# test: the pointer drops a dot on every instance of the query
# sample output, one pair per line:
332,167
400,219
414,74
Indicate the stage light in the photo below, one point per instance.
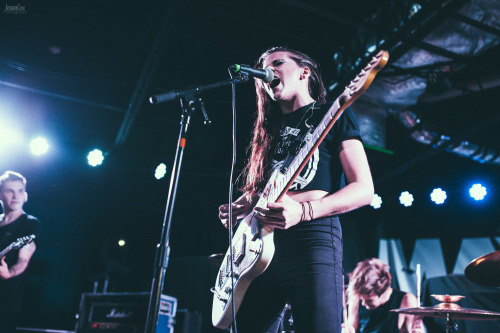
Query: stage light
478,192
438,196
376,201
160,171
121,243
371,48
10,138
95,157
414,9
39,146
406,198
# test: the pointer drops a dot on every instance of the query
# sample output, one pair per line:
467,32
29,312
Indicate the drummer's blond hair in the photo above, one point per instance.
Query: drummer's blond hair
370,276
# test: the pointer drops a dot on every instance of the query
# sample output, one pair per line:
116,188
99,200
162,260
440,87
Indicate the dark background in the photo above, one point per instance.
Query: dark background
80,73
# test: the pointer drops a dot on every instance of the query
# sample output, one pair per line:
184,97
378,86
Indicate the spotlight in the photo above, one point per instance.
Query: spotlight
95,157
438,196
9,137
121,243
39,146
415,8
160,171
371,48
376,201
477,191
406,198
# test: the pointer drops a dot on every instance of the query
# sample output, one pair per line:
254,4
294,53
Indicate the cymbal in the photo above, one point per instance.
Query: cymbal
485,270
448,298
216,259
455,311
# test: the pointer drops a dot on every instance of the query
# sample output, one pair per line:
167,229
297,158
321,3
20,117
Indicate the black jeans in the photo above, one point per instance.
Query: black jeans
306,271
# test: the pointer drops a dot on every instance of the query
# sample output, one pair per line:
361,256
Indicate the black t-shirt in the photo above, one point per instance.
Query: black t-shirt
11,289
381,319
323,170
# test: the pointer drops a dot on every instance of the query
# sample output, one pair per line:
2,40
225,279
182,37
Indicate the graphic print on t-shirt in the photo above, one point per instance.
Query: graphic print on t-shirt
291,141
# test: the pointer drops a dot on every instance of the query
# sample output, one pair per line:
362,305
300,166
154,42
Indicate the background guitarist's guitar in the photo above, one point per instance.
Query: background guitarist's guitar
253,245
16,245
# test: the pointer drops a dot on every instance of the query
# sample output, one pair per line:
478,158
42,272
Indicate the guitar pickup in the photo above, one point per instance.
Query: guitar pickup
239,250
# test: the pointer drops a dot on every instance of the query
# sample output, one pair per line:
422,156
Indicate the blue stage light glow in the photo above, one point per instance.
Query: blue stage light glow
438,196
477,191
376,201
160,171
39,146
406,199
95,157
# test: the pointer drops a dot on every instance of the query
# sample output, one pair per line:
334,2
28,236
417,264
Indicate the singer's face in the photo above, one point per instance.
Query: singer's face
286,84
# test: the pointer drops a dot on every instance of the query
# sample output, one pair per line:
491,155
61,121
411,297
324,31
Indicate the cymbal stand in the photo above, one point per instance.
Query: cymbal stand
451,326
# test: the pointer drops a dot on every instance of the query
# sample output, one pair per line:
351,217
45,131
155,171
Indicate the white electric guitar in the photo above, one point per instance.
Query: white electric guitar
253,245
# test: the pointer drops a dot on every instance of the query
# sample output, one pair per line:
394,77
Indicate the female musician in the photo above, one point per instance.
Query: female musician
306,268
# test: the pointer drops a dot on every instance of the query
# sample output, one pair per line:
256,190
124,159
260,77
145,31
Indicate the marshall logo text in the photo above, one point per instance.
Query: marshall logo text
116,314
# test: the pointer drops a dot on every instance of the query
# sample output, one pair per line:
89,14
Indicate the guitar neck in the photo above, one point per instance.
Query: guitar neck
6,250
281,180
277,187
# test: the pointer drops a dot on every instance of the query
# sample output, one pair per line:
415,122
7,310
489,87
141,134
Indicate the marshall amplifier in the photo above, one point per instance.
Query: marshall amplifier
122,313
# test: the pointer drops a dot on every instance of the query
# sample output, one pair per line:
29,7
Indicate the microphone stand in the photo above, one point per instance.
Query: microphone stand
189,104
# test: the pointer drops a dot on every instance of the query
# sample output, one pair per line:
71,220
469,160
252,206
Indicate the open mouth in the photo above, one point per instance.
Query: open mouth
274,82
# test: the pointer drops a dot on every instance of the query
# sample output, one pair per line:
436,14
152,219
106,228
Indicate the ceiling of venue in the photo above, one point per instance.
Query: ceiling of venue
81,72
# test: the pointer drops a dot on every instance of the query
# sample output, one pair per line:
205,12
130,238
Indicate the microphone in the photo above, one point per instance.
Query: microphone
265,74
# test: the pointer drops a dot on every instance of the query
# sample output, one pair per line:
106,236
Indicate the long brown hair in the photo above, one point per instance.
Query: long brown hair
268,121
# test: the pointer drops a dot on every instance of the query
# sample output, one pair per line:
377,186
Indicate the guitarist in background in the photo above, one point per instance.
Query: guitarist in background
14,224
306,268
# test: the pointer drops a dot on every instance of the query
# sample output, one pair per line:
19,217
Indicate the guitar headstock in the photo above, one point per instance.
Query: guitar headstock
363,80
20,242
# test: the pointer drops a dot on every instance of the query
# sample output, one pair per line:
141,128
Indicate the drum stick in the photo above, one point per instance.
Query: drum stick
418,285
344,302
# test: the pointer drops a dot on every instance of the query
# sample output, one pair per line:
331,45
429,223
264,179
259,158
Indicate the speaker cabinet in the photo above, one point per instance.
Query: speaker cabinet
122,313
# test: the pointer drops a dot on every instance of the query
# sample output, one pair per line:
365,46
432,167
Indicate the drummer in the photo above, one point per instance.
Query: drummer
370,299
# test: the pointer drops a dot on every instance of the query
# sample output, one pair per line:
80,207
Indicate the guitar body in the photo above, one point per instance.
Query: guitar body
253,245
253,254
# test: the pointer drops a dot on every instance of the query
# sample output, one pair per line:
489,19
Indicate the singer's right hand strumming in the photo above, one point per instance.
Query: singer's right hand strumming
241,207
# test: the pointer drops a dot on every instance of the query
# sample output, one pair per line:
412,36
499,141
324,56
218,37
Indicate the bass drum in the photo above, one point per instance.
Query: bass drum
286,325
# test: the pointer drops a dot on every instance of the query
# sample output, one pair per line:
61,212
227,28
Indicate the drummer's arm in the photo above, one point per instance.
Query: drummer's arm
352,324
412,324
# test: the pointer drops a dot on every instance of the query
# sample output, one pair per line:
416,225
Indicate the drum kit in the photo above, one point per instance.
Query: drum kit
485,271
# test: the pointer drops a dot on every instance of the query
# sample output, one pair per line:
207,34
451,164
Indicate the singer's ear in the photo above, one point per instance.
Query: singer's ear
306,72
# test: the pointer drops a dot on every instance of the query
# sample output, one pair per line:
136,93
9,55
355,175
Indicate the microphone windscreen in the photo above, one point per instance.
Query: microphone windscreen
269,75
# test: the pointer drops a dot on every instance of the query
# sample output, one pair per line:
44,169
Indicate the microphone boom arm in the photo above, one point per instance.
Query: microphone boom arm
168,96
